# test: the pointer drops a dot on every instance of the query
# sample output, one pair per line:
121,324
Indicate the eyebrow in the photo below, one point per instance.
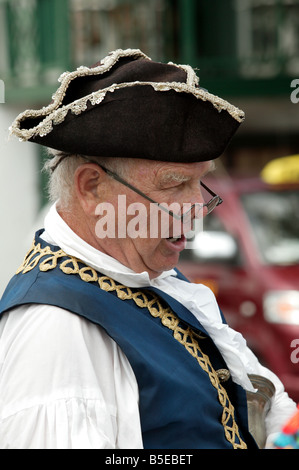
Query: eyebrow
176,177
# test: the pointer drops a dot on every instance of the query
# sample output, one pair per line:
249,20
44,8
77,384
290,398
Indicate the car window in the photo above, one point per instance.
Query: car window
212,244
274,218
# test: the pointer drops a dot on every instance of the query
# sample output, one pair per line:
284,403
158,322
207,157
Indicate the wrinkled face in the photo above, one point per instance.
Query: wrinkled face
141,235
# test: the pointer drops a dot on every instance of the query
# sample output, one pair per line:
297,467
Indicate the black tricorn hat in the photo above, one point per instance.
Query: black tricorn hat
130,106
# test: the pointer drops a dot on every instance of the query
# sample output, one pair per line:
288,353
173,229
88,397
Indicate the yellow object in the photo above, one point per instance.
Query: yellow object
282,170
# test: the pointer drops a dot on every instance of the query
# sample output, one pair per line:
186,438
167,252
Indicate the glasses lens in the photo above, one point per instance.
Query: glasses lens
212,204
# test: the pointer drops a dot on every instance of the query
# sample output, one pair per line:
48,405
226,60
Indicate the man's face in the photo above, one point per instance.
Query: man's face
144,237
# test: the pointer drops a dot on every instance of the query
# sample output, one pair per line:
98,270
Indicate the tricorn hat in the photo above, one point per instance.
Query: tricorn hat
130,106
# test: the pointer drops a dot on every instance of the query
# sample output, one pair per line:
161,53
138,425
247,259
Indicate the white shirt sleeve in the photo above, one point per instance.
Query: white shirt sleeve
282,406
64,384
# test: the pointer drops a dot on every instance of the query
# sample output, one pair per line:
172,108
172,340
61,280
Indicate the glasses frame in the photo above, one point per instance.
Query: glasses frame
210,205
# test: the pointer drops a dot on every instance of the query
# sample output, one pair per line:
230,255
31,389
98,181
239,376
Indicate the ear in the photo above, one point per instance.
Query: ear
88,179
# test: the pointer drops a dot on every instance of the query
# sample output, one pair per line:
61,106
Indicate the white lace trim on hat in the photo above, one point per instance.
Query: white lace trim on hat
55,113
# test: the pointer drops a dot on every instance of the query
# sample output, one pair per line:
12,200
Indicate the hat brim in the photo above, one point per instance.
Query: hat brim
138,122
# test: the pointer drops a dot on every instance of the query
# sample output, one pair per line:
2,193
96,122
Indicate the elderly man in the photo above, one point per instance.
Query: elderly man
103,343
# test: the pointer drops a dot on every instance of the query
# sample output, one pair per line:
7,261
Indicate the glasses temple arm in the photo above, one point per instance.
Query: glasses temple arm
136,190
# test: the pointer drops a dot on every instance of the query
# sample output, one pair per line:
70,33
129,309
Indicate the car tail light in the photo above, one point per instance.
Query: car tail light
282,307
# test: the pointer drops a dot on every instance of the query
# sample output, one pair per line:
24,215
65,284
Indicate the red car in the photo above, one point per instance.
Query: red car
248,253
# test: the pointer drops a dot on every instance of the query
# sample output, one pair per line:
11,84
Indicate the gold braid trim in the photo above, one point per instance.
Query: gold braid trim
182,333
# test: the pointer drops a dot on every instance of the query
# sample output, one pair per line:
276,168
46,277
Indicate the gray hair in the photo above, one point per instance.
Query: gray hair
61,167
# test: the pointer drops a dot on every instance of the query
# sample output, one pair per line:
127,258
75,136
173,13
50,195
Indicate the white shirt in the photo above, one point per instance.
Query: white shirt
64,383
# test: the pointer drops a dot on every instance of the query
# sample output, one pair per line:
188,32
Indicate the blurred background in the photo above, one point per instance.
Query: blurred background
245,51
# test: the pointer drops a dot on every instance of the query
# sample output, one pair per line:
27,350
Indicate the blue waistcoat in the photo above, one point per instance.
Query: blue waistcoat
180,408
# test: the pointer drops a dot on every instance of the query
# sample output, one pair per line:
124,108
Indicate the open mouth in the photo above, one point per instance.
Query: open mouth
173,239
177,243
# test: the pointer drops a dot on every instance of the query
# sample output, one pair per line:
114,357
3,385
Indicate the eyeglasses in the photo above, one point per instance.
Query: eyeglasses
195,211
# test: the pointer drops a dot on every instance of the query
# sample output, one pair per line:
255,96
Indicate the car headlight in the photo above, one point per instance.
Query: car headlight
282,307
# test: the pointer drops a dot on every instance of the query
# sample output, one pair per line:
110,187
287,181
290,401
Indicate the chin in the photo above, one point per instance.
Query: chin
167,266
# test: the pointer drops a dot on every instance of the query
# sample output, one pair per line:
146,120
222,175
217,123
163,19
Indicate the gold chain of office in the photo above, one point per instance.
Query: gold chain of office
46,260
